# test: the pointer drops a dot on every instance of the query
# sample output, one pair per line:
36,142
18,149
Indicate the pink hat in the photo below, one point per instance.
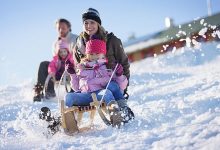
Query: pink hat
61,44
95,46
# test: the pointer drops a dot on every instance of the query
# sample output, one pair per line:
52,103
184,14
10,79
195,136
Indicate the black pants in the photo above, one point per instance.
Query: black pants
42,75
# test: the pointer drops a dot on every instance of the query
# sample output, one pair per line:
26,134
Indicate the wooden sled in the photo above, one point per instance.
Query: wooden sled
71,117
65,80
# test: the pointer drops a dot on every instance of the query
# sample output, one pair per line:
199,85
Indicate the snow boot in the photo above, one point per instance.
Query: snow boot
127,113
38,93
115,114
53,123
45,114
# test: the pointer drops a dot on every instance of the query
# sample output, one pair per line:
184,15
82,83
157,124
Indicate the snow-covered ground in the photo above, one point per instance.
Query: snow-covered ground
175,97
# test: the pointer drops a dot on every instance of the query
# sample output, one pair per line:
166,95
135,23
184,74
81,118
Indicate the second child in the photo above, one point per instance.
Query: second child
57,65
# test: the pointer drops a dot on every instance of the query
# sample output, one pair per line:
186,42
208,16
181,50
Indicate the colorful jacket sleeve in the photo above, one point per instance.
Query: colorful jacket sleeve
116,54
122,81
52,68
74,82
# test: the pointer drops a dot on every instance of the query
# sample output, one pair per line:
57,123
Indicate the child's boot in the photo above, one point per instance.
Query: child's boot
38,93
127,113
115,114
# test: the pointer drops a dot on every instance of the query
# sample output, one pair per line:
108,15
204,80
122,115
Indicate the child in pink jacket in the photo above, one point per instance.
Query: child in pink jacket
57,65
92,76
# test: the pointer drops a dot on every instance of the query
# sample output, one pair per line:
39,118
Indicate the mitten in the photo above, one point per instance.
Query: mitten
96,66
70,67
119,70
62,67
58,75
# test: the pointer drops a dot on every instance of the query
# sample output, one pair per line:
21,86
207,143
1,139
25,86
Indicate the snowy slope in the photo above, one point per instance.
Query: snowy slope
175,97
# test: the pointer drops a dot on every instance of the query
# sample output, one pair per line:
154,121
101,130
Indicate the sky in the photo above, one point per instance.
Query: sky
28,31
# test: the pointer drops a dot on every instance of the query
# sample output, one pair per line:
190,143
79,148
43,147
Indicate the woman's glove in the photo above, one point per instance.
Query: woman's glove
119,70
95,66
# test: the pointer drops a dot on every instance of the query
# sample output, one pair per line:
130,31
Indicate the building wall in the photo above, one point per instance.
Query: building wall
165,47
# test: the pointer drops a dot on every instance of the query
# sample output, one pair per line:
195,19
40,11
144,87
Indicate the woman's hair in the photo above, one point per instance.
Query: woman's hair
83,59
101,34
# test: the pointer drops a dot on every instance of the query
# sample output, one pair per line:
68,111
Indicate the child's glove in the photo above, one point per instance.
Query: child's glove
96,66
70,67
119,70
58,75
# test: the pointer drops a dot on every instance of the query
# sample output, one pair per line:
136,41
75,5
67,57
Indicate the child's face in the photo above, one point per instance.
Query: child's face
94,56
63,53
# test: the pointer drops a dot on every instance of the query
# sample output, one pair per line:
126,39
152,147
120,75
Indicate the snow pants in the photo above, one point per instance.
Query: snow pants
84,99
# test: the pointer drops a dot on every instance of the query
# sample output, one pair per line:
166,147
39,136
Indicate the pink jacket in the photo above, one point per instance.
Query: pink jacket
55,64
92,76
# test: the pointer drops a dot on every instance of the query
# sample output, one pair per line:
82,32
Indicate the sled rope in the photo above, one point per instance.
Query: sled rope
63,78
101,114
46,83
108,85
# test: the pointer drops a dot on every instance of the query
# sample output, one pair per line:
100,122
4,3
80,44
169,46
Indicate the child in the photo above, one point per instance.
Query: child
57,65
92,76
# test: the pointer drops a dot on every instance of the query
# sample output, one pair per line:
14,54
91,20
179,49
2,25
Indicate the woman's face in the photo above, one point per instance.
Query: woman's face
90,26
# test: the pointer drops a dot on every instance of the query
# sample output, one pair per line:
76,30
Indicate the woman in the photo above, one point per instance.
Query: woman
115,52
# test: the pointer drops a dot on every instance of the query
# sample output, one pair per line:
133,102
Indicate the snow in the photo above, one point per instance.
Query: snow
175,98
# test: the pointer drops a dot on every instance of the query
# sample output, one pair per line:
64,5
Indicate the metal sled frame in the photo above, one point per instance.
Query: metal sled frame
63,81
71,117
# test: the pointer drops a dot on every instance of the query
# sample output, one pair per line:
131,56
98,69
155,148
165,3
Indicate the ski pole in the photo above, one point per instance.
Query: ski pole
108,85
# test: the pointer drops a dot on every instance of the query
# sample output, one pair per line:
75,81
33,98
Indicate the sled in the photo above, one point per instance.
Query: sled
71,117
65,80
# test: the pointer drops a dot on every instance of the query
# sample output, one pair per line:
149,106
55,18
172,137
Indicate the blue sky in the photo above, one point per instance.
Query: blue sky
28,31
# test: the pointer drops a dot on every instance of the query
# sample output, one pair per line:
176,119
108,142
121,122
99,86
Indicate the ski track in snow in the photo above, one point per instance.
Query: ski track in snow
175,98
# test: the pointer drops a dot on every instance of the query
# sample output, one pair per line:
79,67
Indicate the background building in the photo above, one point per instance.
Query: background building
173,37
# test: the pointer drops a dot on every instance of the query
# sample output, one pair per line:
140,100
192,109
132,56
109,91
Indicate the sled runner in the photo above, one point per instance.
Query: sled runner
41,91
72,117
65,80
